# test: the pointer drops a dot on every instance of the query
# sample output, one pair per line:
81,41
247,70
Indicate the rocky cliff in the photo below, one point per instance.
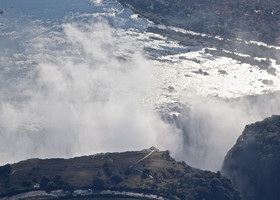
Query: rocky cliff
253,163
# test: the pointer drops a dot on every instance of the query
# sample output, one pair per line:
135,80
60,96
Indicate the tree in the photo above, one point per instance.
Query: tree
145,173
44,182
5,170
98,184
108,172
58,181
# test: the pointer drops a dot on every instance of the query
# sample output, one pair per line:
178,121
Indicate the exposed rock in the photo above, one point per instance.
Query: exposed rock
253,164
267,82
271,70
200,71
223,72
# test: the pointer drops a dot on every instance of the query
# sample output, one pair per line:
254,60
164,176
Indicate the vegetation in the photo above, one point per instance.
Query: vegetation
250,19
253,163
231,20
5,170
159,174
98,184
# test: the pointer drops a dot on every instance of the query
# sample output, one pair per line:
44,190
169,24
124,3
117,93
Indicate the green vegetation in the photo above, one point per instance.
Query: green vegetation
253,163
159,174
250,19
229,19
98,184
5,170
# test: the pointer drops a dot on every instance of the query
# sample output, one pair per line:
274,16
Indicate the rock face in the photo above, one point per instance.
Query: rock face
253,164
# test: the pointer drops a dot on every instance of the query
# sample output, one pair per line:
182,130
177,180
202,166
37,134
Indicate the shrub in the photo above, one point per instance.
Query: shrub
116,179
98,184
26,184
145,173
58,181
44,182
128,171
108,172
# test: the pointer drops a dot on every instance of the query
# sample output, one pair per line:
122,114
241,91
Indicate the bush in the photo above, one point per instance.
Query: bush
171,171
128,171
69,187
44,182
108,172
26,184
58,181
98,174
98,184
145,173
116,179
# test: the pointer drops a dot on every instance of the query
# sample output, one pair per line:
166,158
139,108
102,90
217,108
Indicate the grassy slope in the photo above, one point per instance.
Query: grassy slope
169,178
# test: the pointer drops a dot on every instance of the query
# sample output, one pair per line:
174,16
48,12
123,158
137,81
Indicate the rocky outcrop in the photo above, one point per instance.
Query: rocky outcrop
253,164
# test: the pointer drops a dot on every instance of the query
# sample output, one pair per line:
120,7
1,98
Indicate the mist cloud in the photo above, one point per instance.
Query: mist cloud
86,102
212,125
96,1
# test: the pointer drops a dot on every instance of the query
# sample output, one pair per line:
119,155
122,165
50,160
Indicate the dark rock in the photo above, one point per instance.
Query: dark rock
200,71
267,82
253,163
224,72
271,71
